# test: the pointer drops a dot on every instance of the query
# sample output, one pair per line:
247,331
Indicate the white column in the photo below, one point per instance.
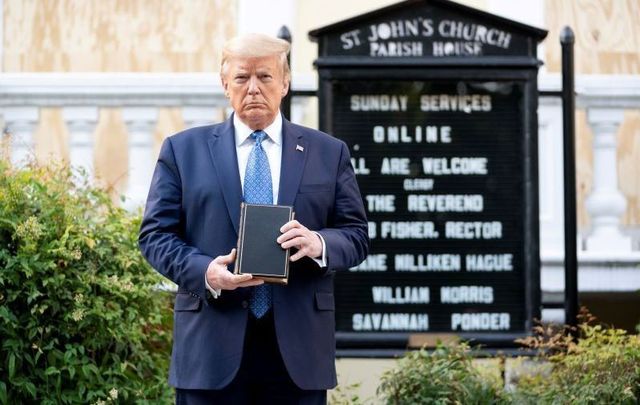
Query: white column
21,122
81,122
606,204
298,108
195,116
551,181
140,123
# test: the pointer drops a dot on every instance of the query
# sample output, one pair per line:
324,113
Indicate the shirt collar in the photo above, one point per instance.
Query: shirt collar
243,132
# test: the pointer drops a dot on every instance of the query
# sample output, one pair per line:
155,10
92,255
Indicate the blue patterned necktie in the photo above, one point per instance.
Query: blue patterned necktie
258,190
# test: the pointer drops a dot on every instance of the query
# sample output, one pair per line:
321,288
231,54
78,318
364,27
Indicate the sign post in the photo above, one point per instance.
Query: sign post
437,103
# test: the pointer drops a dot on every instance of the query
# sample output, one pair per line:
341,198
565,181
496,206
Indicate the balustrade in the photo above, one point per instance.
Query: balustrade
202,101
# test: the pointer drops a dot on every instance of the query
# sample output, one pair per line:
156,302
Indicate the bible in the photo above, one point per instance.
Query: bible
258,253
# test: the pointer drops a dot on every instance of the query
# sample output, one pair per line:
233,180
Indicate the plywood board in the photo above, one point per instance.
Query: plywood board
116,35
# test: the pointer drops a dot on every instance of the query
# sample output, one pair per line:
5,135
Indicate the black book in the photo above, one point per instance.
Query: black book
258,253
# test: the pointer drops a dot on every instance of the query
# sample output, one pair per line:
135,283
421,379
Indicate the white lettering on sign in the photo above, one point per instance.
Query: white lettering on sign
389,322
456,48
380,34
381,202
489,262
395,166
480,321
408,230
378,102
433,134
400,134
429,262
474,32
417,184
466,103
396,48
350,39
445,203
415,27
377,262
471,294
403,37
372,229
473,230
400,295
455,166
360,166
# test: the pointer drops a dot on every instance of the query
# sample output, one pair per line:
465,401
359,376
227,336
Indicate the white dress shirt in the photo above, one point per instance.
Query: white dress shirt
272,145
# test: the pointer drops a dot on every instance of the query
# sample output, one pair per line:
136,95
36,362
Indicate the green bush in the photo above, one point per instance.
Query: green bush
444,376
601,367
81,320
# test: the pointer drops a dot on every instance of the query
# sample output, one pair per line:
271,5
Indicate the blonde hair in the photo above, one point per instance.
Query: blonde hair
256,46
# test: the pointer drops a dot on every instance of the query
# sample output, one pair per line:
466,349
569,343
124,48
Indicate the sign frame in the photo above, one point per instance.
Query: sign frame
517,68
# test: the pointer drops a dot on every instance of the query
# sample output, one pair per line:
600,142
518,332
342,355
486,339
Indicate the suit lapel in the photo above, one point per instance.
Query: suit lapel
223,153
294,155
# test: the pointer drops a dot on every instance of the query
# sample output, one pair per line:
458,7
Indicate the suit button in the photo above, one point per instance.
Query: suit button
245,304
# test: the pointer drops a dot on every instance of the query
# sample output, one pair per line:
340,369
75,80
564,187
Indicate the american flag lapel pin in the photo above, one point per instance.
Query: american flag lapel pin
299,148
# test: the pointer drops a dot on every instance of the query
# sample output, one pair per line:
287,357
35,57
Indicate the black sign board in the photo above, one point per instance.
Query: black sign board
437,103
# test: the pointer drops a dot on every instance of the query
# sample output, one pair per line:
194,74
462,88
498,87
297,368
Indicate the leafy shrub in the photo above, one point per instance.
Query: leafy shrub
345,395
81,320
444,376
601,367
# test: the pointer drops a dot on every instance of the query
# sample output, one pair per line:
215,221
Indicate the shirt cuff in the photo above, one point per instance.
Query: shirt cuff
322,260
215,293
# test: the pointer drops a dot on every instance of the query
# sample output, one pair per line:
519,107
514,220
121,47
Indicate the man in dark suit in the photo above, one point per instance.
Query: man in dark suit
235,338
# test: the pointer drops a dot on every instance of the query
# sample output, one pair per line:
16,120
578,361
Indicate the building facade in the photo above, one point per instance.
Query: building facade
100,84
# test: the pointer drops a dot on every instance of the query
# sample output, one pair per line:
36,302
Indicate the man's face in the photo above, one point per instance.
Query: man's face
255,87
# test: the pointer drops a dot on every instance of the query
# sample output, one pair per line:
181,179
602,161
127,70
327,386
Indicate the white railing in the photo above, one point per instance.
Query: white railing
140,96
201,99
608,257
604,98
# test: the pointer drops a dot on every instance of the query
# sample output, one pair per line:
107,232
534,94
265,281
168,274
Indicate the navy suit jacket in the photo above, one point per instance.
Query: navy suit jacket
192,215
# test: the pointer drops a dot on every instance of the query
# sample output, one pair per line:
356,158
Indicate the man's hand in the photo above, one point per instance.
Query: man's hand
220,278
296,235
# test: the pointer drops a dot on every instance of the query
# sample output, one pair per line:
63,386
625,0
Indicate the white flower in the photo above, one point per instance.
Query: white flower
30,229
77,314
127,286
76,254
113,393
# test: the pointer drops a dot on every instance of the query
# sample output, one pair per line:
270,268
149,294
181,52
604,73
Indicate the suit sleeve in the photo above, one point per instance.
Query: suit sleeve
346,239
161,230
